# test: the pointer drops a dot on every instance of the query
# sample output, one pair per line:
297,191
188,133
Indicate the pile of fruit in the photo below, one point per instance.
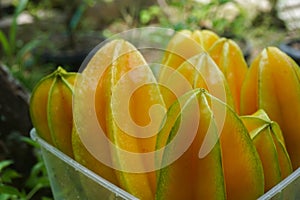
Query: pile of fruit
208,126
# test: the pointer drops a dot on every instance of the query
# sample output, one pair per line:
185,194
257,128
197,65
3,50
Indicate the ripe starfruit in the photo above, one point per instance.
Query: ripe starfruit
272,83
269,142
120,88
51,109
214,147
230,59
184,45
199,71
84,157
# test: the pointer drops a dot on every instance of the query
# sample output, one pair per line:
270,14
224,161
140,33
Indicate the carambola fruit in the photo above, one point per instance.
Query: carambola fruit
84,157
269,142
230,59
184,45
273,84
199,71
51,109
211,168
129,109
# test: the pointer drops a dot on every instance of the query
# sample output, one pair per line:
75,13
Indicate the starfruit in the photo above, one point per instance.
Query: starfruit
272,83
184,45
200,71
84,157
220,148
229,58
269,142
51,109
119,86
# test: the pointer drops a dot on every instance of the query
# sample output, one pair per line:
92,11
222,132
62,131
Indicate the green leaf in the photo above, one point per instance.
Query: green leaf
30,141
6,189
21,6
76,17
42,182
27,48
4,164
145,16
38,175
5,44
33,191
4,197
13,28
9,175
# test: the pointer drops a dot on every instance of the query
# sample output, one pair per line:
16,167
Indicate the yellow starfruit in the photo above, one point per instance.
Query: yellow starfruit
184,45
121,89
230,59
269,142
272,83
221,148
51,109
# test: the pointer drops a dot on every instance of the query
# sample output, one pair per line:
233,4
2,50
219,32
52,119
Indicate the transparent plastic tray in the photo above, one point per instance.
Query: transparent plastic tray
70,180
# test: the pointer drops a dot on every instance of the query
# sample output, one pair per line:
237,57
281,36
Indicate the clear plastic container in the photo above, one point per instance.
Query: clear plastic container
70,180
287,189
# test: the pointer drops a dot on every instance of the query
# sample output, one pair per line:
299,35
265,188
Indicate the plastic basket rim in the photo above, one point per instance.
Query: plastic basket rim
82,169
281,185
120,192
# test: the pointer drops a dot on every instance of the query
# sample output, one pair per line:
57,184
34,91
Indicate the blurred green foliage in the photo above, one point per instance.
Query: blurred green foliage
15,52
37,180
188,14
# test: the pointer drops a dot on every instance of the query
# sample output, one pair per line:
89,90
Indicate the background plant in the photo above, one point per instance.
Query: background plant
37,180
221,16
16,53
